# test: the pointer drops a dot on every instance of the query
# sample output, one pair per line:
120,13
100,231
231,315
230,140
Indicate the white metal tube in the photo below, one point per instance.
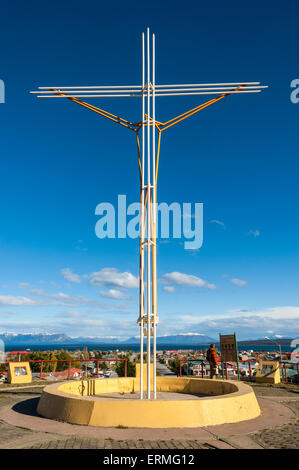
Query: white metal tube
150,94
78,90
224,92
154,223
135,90
240,87
208,84
148,279
138,86
142,232
90,96
87,87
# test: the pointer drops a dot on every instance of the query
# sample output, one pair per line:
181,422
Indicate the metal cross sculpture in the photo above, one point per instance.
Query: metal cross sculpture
148,160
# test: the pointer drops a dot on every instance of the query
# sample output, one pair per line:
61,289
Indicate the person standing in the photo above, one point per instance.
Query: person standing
212,358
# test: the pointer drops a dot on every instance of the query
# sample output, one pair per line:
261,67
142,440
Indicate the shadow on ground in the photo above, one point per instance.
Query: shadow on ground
27,407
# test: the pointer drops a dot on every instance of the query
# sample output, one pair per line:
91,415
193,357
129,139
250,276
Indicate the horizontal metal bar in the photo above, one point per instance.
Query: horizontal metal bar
139,86
209,93
245,87
88,96
229,92
157,91
87,87
208,84
83,91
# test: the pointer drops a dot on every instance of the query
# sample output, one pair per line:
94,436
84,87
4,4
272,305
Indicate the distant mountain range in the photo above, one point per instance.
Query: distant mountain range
29,339
180,339
183,339
11,339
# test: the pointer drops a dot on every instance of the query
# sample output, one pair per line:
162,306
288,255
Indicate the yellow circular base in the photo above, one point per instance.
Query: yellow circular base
77,403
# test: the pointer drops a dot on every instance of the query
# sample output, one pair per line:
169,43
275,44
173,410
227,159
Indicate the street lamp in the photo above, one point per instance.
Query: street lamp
267,337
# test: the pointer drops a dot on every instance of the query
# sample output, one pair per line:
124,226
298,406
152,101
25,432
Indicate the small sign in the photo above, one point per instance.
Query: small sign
19,372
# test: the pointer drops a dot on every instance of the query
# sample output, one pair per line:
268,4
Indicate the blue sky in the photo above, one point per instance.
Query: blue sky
238,157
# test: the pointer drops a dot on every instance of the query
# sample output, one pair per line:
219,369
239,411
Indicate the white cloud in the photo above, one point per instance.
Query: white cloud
250,325
23,285
277,313
238,282
112,277
182,279
254,233
70,276
70,314
58,296
169,288
114,294
16,300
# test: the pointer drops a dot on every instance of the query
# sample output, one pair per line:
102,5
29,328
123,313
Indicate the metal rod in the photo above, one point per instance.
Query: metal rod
240,87
138,86
134,90
148,227
154,270
142,233
208,84
209,92
78,90
87,87
150,94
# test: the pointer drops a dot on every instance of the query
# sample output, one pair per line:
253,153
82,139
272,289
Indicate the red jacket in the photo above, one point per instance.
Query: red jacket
212,356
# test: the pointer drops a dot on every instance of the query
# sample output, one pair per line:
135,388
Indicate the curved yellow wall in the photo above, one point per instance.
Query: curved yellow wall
228,402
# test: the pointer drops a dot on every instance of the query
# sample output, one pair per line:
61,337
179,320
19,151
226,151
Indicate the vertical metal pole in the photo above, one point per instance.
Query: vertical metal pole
148,278
69,373
141,313
98,368
237,354
41,370
154,235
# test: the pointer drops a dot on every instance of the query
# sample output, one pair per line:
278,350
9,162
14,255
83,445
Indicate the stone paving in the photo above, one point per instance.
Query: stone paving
279,437
76,443
282,437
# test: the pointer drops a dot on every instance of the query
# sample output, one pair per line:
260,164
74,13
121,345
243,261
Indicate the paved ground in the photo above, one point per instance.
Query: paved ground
20,427
163,369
